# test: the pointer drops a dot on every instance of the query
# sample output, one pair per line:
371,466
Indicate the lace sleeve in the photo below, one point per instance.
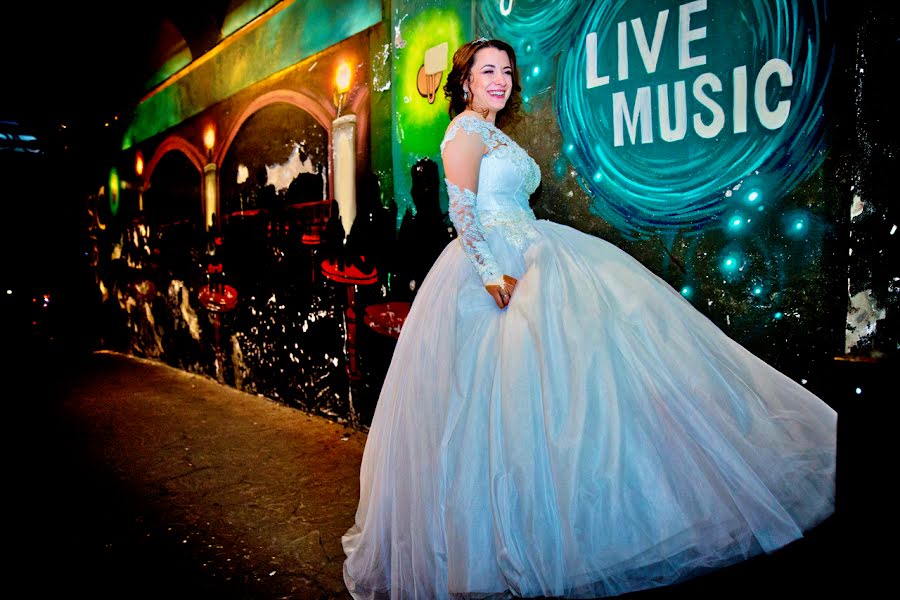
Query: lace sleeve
471,235
463,148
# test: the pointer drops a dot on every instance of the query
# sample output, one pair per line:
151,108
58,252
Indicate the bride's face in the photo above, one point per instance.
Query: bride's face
490,80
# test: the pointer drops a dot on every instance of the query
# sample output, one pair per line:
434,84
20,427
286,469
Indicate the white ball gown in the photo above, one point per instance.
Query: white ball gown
598,436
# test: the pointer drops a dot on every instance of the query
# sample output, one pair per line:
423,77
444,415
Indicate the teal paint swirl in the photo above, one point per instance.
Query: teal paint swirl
686,184
533,26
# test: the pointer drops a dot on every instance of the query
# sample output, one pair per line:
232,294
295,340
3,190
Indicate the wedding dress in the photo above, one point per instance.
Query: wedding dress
598,436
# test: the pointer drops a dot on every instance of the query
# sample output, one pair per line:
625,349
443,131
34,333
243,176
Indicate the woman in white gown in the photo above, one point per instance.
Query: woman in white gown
556,419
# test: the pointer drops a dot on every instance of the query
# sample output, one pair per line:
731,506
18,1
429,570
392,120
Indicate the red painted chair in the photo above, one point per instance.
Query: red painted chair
311,217
351,276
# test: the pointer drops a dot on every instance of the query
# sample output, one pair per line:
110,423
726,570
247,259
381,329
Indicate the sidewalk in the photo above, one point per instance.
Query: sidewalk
131,479
153,482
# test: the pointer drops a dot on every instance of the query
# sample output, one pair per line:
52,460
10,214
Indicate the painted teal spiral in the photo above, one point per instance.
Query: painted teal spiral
547,26
685,185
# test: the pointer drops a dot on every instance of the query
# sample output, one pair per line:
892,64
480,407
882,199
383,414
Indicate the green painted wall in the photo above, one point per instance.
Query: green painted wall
298,31
381,107
418,126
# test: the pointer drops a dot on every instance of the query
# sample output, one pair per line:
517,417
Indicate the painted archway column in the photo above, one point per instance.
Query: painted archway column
177,143
211,207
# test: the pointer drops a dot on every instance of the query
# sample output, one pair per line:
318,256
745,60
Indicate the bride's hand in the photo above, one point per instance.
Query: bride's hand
502,293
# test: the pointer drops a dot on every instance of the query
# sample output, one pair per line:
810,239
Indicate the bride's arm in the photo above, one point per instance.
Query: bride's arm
462,160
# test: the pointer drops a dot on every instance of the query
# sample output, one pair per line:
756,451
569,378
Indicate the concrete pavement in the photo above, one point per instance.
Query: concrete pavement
153,482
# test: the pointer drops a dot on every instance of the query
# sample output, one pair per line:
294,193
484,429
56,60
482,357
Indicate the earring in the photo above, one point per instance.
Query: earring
465,95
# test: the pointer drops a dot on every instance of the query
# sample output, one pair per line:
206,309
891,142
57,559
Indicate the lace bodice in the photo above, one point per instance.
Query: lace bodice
507,177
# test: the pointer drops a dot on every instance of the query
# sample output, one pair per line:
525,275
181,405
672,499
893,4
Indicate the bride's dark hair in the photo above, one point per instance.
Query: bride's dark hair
463,61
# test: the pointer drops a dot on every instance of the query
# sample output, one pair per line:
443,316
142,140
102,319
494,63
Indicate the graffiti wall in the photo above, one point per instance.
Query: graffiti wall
241,243
273,233
709,139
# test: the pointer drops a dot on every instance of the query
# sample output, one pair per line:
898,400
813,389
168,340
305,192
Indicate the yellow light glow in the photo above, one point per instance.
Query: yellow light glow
114,188
209,137
139,164
342,79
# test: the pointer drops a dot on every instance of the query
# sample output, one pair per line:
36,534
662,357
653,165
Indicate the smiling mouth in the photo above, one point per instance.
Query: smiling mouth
497,94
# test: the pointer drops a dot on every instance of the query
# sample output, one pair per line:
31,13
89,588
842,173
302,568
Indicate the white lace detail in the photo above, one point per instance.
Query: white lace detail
506,179
471,125
471,235
501,146
519,224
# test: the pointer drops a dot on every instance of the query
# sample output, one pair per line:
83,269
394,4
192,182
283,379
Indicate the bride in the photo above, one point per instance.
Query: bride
557,420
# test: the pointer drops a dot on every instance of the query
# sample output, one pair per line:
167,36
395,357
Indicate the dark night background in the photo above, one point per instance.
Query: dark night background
71,74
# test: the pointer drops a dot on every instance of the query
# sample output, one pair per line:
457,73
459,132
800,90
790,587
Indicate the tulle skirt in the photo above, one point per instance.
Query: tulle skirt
598,436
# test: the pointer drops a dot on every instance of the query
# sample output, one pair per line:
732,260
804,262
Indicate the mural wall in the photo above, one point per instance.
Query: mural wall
696,136
735,148
221,241
710,140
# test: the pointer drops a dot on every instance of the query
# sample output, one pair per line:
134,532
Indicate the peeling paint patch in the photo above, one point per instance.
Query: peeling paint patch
180,297
399,42
156,338
862,318
243,173
857,207
381,69
282,175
